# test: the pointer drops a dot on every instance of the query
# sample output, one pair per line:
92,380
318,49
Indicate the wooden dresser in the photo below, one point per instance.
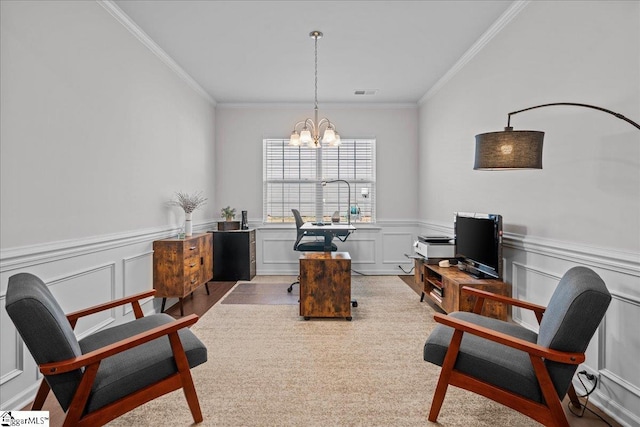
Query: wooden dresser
180,266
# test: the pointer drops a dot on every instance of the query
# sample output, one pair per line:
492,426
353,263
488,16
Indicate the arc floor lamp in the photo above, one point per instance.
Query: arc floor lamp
520,149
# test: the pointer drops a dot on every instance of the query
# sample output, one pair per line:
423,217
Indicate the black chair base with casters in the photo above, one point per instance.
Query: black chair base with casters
310,247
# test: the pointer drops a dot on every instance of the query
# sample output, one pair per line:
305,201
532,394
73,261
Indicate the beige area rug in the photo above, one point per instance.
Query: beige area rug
269,367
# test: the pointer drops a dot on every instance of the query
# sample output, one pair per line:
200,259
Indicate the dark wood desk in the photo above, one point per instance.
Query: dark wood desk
328,231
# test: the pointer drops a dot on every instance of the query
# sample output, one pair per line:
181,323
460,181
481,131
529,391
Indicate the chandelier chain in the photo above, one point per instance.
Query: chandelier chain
316,76
310,128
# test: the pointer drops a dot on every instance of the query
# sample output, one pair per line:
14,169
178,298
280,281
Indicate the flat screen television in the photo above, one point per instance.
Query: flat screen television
478,243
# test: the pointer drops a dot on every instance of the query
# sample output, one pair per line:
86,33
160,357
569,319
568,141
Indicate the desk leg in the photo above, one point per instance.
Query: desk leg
328,237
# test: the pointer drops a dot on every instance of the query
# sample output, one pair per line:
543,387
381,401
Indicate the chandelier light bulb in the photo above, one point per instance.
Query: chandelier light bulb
329,136
305,136
336,140
295,139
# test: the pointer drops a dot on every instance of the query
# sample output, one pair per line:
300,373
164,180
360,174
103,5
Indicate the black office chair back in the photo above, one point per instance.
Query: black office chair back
298,217
299,223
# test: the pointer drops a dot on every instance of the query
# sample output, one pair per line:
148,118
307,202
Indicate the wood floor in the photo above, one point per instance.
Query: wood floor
200,302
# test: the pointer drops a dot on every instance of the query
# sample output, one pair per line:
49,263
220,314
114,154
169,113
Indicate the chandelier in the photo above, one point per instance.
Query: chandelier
310,128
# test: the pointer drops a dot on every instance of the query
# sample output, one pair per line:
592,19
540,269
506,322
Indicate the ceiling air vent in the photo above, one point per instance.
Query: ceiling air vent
365,91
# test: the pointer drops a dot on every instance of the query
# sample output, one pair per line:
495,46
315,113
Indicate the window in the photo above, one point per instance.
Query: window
293,176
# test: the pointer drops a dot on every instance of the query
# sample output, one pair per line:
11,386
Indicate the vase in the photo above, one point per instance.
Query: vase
188,225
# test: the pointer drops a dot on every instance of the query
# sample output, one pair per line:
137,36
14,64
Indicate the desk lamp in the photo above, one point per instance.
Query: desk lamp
520,149
324,183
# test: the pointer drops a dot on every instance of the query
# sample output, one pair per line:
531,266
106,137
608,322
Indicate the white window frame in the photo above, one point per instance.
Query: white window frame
293,176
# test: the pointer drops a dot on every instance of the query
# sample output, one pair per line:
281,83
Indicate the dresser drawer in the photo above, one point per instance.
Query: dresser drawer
193,263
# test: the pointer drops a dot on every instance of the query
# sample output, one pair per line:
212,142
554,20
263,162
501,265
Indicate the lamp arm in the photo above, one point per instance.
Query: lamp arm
348,194
323,121
618,115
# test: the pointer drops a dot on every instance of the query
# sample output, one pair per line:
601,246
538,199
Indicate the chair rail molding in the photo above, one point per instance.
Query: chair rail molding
20,257
625,262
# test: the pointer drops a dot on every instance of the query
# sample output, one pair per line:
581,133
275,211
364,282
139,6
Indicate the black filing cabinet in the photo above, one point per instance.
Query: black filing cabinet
234,255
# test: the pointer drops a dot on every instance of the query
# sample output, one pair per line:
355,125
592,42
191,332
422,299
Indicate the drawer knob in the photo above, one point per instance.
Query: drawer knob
192,265
192,248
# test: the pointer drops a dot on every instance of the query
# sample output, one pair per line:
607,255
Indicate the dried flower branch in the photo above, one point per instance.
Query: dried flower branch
189,202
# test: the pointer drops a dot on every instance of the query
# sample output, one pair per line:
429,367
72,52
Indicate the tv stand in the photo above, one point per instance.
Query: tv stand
443,287
476,274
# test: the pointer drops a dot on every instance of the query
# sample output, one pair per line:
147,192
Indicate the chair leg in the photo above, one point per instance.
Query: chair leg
549,392
41,396
573,396
185,374
445,374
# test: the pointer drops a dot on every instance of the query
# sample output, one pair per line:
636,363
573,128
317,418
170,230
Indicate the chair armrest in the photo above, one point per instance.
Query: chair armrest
537,309
95,356
74,316
510,341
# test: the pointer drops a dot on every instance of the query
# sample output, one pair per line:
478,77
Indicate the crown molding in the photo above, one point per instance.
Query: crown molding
307,105
144,38
488,35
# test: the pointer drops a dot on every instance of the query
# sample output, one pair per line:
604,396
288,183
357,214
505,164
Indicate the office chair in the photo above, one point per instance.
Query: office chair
512,365
309,246
111,371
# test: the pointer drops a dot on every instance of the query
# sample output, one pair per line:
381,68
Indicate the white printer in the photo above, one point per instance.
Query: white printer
435,247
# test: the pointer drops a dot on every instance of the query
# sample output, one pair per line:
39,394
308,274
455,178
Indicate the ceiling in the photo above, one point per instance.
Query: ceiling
261,52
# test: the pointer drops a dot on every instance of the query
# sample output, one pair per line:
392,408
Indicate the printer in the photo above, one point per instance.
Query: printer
434,247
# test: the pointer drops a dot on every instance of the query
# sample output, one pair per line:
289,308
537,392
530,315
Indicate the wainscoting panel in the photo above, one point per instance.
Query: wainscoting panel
532,285
395,245
12,362
277,250
362,251
136,271
619,352
374,249
84,289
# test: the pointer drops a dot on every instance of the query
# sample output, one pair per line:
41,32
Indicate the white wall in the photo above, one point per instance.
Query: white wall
584,206
240,130
96,134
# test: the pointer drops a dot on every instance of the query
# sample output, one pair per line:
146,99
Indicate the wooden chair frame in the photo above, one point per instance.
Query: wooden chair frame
550,414
91,361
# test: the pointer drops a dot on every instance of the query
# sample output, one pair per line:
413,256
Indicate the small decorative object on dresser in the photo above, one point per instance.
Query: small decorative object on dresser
189,203
228,214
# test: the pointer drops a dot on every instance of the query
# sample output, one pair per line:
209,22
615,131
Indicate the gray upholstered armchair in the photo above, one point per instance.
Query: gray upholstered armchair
512,365
112,371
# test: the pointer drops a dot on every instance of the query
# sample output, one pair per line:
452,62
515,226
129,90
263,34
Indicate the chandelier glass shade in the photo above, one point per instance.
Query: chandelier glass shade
310,129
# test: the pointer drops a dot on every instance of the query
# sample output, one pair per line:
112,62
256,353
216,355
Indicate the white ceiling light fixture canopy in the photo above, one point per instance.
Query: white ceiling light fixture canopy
310,129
